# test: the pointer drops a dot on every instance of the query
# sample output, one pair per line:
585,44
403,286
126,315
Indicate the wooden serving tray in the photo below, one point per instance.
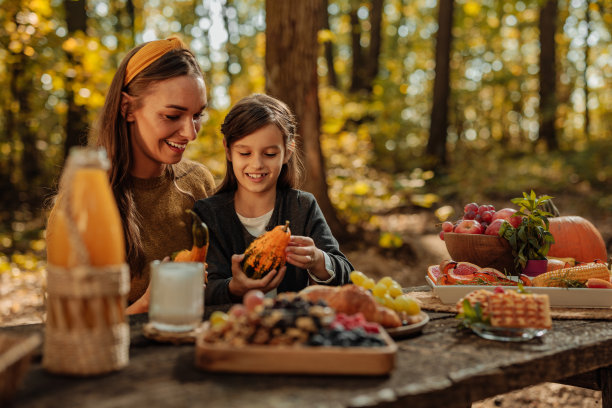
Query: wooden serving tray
297,359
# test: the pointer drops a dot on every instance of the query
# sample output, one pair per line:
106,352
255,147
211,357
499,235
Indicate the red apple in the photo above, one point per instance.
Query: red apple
447,226
493,228
469,227
504,214
515,221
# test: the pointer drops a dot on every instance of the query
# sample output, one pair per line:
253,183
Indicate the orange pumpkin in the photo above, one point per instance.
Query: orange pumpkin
575,237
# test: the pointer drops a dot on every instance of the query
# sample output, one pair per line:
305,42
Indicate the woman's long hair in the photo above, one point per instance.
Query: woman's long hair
251,114
111,131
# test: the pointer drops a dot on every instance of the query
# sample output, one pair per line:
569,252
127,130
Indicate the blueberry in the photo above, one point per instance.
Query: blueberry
316,340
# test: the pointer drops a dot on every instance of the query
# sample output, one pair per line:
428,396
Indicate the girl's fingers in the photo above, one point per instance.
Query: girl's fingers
237,258
263,282
280,274
299,261
297,240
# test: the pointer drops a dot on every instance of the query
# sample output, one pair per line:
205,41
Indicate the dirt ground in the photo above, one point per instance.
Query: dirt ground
21,296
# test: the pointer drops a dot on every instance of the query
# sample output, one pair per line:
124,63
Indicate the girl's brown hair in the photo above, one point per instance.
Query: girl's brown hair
111,131
251,114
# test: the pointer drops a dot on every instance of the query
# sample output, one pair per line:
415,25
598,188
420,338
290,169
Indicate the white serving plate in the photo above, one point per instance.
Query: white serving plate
559,297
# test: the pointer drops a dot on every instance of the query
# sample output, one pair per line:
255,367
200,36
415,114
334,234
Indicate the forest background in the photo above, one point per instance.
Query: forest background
419,106
408,109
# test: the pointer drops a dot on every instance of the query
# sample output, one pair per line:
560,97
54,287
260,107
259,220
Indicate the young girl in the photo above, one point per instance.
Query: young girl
257,194
153,109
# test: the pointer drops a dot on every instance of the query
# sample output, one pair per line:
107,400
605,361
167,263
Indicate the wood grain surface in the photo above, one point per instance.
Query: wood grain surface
442,367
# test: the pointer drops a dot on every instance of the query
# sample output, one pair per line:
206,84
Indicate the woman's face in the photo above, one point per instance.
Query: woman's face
257,159
163,121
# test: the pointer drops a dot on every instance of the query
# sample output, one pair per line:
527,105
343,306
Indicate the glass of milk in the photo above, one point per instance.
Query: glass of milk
177,295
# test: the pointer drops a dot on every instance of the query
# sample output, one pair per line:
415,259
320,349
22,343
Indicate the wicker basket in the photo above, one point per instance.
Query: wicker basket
86,331
15,354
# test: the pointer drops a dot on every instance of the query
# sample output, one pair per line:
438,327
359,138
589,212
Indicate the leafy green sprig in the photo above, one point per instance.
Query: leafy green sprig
471,314
532,238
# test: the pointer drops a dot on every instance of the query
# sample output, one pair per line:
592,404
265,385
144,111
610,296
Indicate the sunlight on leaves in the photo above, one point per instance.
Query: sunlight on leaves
444,213
390,240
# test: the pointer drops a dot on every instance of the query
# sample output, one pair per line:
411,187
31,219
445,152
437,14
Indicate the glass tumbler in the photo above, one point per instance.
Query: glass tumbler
177,295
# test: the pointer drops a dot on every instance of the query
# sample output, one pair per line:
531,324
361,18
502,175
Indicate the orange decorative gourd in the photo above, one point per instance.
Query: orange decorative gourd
198,251
267,252
576,237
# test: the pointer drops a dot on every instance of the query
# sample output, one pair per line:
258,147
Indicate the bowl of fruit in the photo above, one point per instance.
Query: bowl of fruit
475,237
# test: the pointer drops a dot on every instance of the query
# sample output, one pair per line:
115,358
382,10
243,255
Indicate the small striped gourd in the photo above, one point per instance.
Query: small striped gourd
199,249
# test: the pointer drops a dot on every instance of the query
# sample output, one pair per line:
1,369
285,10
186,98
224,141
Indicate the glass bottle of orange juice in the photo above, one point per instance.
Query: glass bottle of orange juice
87,276
84,226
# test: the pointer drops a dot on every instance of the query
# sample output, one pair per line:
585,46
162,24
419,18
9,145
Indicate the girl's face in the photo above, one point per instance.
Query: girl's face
162,122
257,159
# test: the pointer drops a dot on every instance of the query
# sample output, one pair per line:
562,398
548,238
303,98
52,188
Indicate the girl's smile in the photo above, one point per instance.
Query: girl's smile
257,177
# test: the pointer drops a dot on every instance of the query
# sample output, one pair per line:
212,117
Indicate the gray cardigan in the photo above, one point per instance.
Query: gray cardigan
228,237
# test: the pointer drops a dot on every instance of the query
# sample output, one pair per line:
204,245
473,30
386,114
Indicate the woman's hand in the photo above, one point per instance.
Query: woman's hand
303,253
241,284
142,304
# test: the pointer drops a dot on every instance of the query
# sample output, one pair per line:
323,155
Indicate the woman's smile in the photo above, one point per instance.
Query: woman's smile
178,147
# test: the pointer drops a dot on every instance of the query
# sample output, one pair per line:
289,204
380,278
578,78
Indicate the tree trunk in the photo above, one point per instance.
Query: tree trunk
291,75
30,160
587,48
436,145
375,42
23,168
357,68
7,185
76,122
548,74
332,79
131,13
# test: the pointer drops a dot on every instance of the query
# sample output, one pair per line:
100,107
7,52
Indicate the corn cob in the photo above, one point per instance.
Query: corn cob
571,277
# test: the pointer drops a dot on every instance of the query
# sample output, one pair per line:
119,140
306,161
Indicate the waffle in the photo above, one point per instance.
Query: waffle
511,309
478,296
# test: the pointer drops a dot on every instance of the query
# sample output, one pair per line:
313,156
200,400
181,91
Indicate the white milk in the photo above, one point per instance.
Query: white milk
177,295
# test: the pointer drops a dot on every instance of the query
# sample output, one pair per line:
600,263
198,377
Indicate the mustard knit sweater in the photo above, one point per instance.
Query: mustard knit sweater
165,226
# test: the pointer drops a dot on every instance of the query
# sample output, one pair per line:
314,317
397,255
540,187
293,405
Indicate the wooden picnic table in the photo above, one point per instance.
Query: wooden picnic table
442,367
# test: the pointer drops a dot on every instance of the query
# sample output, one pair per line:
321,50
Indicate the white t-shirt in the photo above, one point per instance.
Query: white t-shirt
256,226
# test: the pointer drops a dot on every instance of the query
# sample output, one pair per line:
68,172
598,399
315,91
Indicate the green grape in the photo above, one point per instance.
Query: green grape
379,290
218,318
395,290
387,281
406,303
358,278
368,283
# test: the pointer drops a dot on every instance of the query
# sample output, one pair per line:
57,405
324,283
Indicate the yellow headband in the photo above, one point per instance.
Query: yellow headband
149,54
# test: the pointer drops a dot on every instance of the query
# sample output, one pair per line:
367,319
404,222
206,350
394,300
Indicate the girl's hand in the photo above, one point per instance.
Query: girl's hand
241,284
303,253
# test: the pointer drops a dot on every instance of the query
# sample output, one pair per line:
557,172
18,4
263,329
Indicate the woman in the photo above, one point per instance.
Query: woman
153,109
